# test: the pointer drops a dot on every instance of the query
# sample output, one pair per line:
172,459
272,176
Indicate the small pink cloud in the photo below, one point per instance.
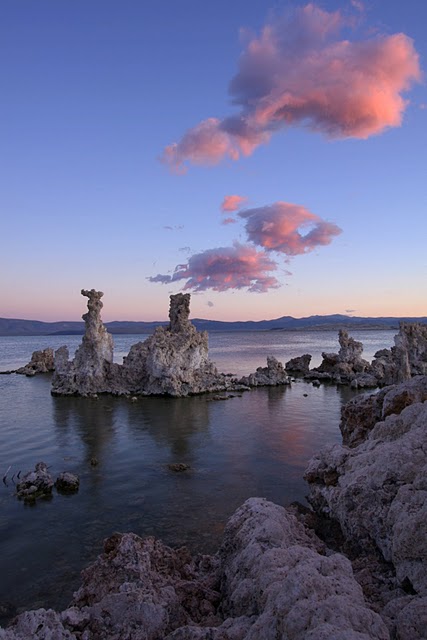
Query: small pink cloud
224,268
228,221
299,72
232,203
279,227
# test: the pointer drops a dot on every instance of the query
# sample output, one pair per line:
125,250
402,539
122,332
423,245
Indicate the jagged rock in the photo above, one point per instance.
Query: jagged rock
35,484
272,375
270,579
299,365
41,362
407,358
67,482
90,371
347,365
359,415
377,490
173,361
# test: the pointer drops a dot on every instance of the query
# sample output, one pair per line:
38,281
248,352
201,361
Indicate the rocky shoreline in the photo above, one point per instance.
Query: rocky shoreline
351,568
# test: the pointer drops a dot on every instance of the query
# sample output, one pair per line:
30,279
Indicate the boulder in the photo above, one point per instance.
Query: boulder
67,482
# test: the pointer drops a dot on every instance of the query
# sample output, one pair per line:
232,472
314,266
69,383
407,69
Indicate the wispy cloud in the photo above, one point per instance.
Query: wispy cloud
299,71
232,203
224,268
280,227
228,221
175,227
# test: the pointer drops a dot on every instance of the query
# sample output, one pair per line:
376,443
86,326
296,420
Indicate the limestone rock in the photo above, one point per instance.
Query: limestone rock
272,375
407,358
35,484
378,492
299,365
41,362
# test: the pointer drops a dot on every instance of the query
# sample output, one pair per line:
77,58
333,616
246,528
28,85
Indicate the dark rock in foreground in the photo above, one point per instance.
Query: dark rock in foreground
270,579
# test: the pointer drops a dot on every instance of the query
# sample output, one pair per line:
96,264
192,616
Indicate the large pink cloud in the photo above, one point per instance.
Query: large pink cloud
300,71
232,203
280,227
236,267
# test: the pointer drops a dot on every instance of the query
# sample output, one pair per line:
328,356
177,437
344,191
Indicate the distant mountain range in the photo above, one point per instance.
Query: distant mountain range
12,327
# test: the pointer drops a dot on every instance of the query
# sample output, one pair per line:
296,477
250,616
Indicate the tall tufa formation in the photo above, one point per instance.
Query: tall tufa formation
90,371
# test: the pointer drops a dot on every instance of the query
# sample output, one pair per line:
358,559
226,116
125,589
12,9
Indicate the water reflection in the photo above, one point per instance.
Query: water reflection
171,422
92,420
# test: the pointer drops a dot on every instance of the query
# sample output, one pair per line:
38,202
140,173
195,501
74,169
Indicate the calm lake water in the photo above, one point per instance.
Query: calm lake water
257,444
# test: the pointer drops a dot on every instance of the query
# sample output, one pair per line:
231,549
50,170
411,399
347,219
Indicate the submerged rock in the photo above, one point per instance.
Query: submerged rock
67,482
35,484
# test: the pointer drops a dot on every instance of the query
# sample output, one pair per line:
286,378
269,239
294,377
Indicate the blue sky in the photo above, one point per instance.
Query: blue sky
93,92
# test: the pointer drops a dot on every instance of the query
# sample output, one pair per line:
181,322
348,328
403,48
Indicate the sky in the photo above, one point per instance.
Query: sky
267,157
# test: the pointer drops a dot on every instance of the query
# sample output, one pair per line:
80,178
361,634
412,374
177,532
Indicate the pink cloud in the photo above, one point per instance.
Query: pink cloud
236,267
299,72
279,227
232,203
229,221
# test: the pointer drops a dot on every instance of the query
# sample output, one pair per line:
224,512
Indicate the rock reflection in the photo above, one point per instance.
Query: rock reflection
92,420
171,422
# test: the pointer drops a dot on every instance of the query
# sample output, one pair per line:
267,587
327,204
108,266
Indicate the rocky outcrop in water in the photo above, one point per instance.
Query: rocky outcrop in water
345,367
41,362
173,361
270,376
271,578
35,484
90,371
299,365
377,491
406,359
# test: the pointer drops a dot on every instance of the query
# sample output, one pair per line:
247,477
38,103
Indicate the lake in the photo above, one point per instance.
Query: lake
255,444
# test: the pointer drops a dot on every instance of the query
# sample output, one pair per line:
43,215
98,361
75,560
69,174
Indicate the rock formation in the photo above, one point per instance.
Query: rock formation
347,366
272,375
390,366
41,362
377,491
407,358
271,578
299,365
35,484
90,371
173,361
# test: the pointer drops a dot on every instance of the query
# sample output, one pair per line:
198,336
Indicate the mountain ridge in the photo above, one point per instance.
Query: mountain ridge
22,327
